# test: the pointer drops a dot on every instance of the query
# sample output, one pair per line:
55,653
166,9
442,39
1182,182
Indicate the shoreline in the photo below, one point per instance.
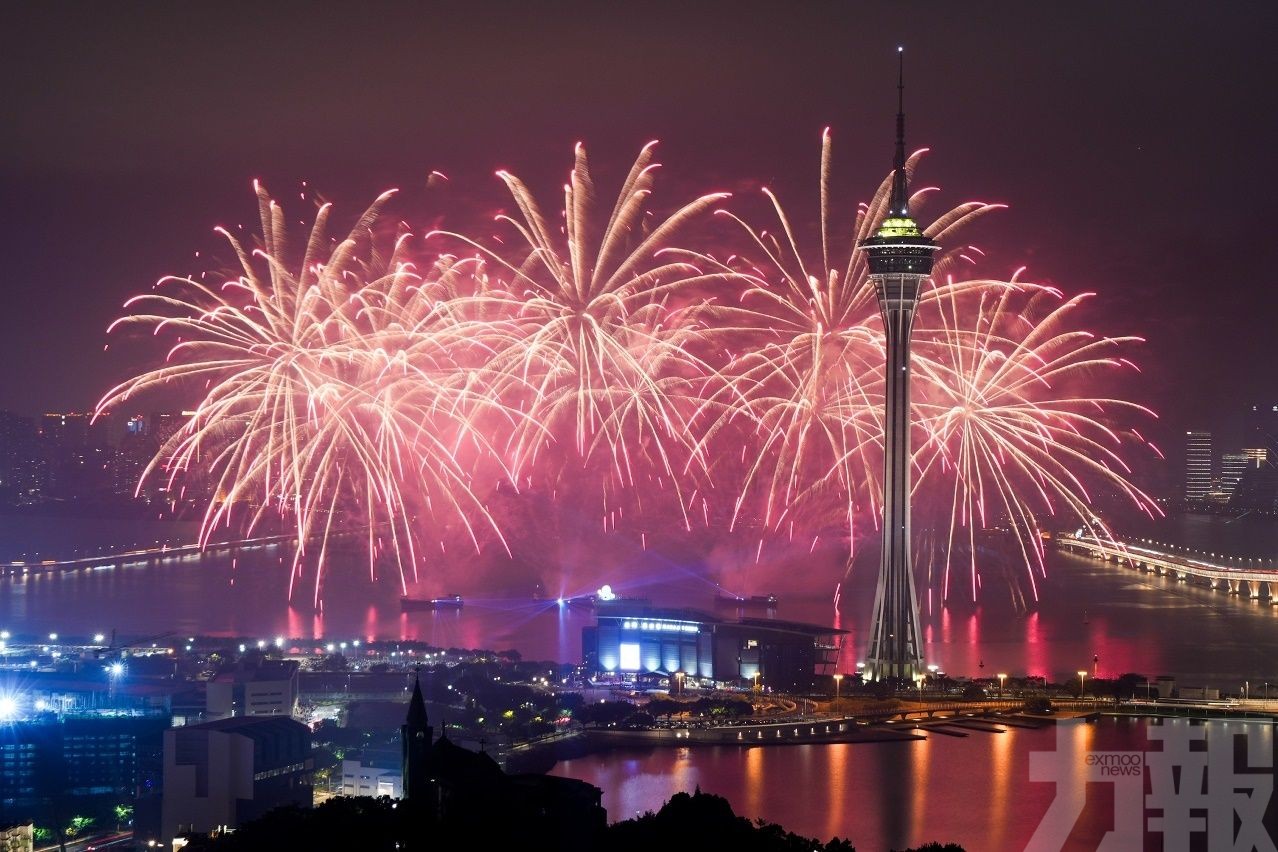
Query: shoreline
849,730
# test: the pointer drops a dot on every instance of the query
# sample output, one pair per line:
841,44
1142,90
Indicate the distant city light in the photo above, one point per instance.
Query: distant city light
606,593
261,643
279,641
98,637
117,669
8,707
53,637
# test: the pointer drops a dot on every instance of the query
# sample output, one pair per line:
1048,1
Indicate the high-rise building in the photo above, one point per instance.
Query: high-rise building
162,425
90,758
1233,466
1261,427
20,466
66,429
1257,488
262,688
227,772
1198,458
900,260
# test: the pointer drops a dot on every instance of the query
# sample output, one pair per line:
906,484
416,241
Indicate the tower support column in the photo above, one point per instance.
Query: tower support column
896,648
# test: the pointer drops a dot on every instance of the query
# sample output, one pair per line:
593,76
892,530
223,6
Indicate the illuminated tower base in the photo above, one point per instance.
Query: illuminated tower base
896,647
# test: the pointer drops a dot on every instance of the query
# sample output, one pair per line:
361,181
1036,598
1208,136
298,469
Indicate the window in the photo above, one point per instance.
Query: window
629,657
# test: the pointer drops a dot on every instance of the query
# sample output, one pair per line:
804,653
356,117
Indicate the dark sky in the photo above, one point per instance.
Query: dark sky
1133,141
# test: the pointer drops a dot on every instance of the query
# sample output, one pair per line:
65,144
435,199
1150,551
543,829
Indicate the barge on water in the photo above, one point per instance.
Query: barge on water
445,602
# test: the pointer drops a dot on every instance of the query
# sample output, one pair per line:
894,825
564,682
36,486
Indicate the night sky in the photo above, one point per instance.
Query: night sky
1134,145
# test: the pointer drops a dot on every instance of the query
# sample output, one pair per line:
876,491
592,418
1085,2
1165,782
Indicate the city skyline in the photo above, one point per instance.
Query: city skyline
565,427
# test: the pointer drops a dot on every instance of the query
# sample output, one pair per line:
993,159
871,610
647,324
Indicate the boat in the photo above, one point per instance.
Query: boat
446,602
740,602
604,598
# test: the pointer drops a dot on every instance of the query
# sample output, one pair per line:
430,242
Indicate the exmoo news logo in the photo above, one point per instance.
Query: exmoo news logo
1207,784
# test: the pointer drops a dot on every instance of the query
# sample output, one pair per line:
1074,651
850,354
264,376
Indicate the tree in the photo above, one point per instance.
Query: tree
665,707
79,825
1038,704
606,712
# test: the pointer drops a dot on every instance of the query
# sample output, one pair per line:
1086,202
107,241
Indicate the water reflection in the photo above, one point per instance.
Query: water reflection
975,791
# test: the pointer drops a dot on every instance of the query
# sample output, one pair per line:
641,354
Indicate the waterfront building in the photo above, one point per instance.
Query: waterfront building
634,643
229,771
1198,466
253,688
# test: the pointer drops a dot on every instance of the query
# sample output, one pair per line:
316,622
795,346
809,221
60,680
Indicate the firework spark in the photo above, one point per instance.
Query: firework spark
1012,428
359,391
810,374
596,345
328,391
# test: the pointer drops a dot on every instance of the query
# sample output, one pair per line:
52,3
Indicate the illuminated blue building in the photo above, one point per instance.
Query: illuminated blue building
637,643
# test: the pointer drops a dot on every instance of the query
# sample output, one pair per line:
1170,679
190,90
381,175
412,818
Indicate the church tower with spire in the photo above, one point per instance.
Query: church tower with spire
899,256
415,740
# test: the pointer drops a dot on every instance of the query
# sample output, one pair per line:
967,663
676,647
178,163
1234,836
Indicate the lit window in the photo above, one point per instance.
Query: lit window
629,657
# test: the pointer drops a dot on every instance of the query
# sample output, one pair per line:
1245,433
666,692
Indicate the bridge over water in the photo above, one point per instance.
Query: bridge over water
1253,578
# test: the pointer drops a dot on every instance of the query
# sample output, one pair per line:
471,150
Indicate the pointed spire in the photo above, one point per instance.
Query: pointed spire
900,201
416,706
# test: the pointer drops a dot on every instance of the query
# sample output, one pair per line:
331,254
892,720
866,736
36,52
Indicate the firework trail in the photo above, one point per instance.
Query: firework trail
600,323
358,390
809,376
1011,427
330,391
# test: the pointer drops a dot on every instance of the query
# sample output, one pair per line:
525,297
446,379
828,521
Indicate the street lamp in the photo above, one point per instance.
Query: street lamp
1082,678
838,679
1002,679
679,683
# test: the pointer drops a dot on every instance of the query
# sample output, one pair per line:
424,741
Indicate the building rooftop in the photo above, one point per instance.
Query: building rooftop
700,617
265,670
